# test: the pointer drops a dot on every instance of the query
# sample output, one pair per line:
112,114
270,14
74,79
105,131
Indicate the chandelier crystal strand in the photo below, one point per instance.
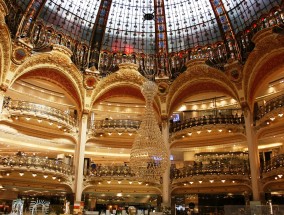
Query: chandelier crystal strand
149,156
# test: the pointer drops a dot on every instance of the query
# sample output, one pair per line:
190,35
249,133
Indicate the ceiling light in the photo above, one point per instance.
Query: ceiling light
45,176
139,182
59,126
200,182
184,184
119,182
272,118
21,173
130,134
280,175
209,130
7,173
229,130
211,181
189,133
267,122
28,118
109,133
220,130
233,182
119,194
198,132
130,182
34,174
16,118
108,182
191,182
53,177
119,133
50,123
280,114
39,120
223,181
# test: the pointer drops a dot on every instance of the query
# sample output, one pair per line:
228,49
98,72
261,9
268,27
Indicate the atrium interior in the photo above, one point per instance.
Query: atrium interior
171,106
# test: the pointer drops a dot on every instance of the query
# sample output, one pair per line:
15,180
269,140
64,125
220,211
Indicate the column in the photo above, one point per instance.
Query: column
2,96
166,176
253,155
79,157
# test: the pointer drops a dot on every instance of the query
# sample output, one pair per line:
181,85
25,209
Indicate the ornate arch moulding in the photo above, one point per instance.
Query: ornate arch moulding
128,73
53,61
3,11
198,72
265,42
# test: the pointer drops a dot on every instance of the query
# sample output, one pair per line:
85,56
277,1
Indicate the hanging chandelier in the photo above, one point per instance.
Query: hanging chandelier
149,156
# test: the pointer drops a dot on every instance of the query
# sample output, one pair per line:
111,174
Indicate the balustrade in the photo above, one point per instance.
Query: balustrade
38,110
119,125
34,162
111,171
206,120
270,106
276,163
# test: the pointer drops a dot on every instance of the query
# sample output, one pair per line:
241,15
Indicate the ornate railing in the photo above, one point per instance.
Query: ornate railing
19,108
34,163
211,169
270,106
207,120
114,125
274,166
42,37
118,171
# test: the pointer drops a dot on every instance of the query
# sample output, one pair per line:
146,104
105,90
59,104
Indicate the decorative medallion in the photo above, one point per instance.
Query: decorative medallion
89,82
163,88
19,55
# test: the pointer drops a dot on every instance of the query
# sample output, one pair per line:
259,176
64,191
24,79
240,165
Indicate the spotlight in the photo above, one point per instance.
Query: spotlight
34,174
21,173
45,176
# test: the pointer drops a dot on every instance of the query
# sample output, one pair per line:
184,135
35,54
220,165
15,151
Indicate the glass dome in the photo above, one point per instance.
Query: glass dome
187,23
158,34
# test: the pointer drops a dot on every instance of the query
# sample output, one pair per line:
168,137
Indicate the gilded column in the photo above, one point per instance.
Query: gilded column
79,157
166,175
253,155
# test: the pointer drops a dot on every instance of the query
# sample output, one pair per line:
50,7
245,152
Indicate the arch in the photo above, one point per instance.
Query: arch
5,44
201,78
265,61
126,81
57,68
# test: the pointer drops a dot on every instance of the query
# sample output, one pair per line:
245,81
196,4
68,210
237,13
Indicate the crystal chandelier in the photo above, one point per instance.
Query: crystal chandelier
149,156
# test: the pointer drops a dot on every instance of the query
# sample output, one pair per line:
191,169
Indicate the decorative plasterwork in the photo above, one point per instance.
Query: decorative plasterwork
127,75
5,49
3,11
199,78
62,69
264,61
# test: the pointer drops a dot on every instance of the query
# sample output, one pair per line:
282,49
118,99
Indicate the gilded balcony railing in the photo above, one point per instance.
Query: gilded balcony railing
34,164
19,108
113,171
273,108
114,125
207,120
274,167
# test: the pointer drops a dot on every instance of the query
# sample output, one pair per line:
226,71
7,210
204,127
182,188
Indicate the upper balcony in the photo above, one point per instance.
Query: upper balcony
32,166
17,109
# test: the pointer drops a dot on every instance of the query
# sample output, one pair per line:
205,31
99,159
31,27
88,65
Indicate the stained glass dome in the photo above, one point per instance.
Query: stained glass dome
159,28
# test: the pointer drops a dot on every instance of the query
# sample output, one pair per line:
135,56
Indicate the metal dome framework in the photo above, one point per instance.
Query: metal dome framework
157,35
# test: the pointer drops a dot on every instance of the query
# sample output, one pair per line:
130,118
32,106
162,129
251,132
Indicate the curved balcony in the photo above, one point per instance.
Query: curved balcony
34,165
211,173
273,110
109,172
110,126
17,109
274,168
